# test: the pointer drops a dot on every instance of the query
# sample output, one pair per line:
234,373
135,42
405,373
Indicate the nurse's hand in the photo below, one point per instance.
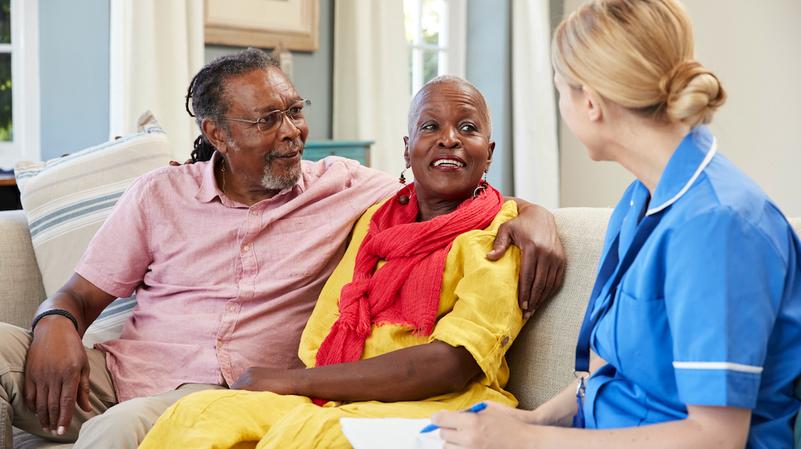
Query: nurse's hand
494,408
494,427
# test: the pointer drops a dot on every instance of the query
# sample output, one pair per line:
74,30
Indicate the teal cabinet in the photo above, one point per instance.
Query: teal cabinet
359,150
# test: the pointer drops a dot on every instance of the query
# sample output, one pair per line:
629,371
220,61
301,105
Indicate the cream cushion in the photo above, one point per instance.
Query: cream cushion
68,198
541,359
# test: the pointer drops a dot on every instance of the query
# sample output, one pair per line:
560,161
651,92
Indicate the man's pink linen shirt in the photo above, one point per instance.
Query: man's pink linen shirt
220,286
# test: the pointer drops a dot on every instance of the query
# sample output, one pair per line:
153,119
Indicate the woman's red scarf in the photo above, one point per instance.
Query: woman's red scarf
406,289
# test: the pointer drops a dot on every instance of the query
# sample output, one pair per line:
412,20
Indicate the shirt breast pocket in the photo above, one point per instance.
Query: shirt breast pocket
642,336
300,246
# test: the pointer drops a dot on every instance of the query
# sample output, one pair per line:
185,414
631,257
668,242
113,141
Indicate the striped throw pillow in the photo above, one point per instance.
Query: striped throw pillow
67,199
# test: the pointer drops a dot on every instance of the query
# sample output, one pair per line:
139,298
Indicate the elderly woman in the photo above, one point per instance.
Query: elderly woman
414,319
695,317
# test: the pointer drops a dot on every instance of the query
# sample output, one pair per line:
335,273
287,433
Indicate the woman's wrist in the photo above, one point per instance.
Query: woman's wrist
301,383
558,412
540,416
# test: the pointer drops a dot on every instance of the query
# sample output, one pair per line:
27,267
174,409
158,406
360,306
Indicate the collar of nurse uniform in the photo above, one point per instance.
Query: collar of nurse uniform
689,160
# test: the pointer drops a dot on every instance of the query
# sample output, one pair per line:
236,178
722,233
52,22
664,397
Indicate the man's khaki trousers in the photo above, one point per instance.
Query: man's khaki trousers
108,425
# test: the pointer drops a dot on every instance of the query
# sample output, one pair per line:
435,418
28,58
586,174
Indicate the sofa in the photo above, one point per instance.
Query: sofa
541,359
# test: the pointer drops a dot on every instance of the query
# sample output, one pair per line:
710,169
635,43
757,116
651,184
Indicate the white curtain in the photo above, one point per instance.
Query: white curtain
371,78
536,151
156,48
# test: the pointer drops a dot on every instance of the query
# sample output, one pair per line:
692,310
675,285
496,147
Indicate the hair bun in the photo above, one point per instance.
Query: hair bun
692,93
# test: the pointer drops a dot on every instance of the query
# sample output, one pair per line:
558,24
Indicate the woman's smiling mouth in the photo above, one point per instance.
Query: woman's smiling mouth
448,164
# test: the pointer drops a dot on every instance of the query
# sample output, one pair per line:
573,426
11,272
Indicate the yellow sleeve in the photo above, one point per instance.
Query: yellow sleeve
326,310
485,318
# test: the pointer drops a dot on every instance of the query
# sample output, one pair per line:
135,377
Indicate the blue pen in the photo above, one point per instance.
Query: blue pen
474,409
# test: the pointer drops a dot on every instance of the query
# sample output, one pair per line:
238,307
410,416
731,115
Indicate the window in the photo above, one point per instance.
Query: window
19,82
435,32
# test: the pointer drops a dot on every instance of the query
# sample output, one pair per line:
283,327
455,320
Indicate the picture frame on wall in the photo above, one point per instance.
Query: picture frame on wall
263,23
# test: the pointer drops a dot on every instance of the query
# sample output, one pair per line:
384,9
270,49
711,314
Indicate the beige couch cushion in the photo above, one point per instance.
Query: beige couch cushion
66,200
21,283
541,359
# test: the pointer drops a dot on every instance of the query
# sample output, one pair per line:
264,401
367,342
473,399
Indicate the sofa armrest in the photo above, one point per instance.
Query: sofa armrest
21,288
541,359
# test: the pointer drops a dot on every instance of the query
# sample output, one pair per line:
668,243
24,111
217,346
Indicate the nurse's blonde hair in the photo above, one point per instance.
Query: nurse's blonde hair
638,54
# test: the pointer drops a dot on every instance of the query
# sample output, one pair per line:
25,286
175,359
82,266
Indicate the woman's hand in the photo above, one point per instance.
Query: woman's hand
408,374
494,408
497,426
275,380
705,427
542,268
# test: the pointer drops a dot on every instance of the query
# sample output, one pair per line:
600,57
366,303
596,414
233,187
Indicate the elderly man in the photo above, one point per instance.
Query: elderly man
226,257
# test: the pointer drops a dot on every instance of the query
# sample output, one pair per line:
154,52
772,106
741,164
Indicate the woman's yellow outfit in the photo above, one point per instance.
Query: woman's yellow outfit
478,310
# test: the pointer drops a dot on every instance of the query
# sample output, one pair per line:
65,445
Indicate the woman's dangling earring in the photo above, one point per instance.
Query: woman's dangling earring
402,197
482,185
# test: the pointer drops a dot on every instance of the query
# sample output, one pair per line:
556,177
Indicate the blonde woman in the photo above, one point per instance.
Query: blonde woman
694,323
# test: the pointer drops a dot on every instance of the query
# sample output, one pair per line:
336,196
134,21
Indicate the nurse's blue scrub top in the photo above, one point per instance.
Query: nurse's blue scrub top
709,313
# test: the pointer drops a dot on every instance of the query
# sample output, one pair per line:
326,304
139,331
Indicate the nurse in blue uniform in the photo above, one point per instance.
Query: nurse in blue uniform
692,337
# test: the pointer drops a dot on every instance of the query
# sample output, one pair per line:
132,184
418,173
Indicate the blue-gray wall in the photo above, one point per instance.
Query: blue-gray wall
488,66
313,73
74,61
73,74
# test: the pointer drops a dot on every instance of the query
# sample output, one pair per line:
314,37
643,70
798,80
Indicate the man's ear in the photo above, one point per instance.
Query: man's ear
594,105
216,135
406,151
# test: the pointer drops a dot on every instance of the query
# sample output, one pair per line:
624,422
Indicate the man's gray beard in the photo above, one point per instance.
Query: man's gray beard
271,181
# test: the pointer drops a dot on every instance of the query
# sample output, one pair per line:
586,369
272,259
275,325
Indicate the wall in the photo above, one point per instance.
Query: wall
755,49
73,70
488,67
312,73
75,96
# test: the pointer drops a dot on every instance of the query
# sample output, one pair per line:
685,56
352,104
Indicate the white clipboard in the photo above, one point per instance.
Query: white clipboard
389,433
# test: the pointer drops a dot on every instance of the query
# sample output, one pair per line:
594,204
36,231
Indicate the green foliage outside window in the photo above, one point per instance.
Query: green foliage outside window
6,119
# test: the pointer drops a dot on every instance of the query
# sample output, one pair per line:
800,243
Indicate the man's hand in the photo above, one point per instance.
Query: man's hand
56,374
542,269
279,381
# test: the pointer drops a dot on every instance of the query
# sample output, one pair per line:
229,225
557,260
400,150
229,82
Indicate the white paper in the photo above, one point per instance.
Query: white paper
389,433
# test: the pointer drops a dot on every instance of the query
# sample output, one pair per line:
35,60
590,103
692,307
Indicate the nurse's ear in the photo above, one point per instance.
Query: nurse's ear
593,104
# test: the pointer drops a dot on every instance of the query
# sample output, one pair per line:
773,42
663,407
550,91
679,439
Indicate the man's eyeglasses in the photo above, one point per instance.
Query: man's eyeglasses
272,119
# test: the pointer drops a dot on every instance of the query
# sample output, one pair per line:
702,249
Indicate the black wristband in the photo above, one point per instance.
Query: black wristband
60,312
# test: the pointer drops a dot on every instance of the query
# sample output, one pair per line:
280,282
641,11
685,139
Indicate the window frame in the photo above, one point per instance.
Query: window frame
24,50
451,48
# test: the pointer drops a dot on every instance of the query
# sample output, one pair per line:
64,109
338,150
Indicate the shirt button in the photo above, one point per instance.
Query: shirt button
254,213
231,308
246,248
504,341
219,344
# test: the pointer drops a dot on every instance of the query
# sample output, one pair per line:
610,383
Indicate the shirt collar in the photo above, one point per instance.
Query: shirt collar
209,190
692,156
